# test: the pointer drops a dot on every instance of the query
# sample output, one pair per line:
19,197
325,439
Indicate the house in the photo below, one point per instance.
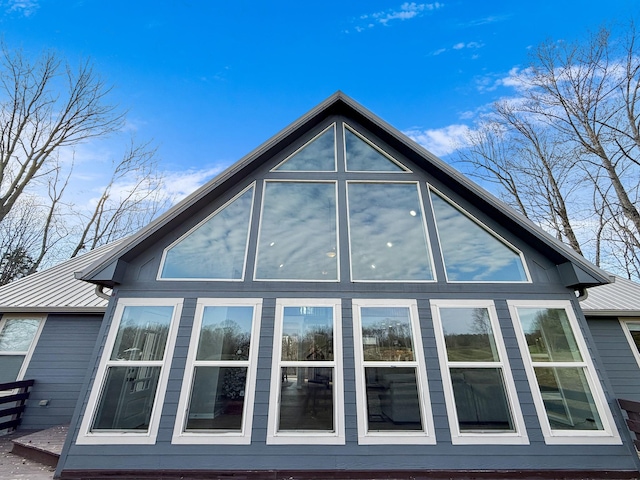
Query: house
49,322
342,304
613,316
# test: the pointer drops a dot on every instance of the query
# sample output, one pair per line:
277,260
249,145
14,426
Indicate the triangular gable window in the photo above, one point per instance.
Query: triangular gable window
317,155
363,156
216,248
472,253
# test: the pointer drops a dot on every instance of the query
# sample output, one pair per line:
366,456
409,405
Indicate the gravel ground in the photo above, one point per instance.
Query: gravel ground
13,467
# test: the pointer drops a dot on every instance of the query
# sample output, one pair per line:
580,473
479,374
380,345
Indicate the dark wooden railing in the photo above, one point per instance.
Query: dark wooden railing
18,398
633,421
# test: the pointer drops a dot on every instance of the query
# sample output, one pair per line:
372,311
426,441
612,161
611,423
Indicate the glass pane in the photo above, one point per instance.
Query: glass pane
549,335
127,398
142,334
216,249
362,157
10,366
387,234
298,232
468,335
226,333
307,333
316,156
481,399
306,399
217,398
392,399
471,253
17,334
386,334
568,399
634,329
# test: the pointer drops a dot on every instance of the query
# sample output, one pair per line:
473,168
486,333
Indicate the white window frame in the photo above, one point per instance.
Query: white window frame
243,437
609,434
337,213
307,437
335,154
159,276
424,226
345,127
624,323
500,238
117,437
407,437
27,353
517,437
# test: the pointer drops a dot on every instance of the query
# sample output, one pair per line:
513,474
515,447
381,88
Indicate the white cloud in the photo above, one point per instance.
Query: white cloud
460,46
441,141
22,7
406,11
180,184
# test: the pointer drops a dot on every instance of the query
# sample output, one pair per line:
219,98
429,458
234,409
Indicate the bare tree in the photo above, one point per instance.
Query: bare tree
573,140
47,109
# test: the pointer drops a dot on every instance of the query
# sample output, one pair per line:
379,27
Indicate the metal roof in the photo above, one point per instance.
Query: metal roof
55,290
620,298
104,270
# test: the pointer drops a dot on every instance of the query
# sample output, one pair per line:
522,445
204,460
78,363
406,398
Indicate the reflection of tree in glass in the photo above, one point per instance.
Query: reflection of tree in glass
549,336
316,343
137,342
17,334
475,346
226,340
387,340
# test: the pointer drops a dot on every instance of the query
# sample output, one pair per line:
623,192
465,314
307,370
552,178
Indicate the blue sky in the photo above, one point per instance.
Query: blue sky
208,81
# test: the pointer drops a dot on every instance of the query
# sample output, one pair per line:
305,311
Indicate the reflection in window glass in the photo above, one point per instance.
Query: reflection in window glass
387,232
634,330
390,369
133,370
468,335
142,334
475,370
471,253
316,156
549,335
219,383
481,401
16,339
567,399
562,375
298,232
127,398
306,369
216,248
362,157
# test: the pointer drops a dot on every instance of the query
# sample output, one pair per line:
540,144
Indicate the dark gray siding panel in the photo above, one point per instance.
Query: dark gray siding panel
617,357
59,366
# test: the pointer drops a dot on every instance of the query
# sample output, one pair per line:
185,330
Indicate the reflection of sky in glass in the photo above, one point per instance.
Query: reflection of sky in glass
386,334
362,157
142,334
298,232
17,334
316,156
225,333
468,335
472,254
549,335
388,239
307,333
216,249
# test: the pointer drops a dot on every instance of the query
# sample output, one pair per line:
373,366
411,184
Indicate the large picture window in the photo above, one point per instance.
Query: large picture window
216,401
391,379
567,393
124,406
18,337
481,398
306,404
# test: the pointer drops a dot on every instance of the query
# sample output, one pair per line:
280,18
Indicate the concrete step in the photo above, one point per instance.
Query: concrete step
43,446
